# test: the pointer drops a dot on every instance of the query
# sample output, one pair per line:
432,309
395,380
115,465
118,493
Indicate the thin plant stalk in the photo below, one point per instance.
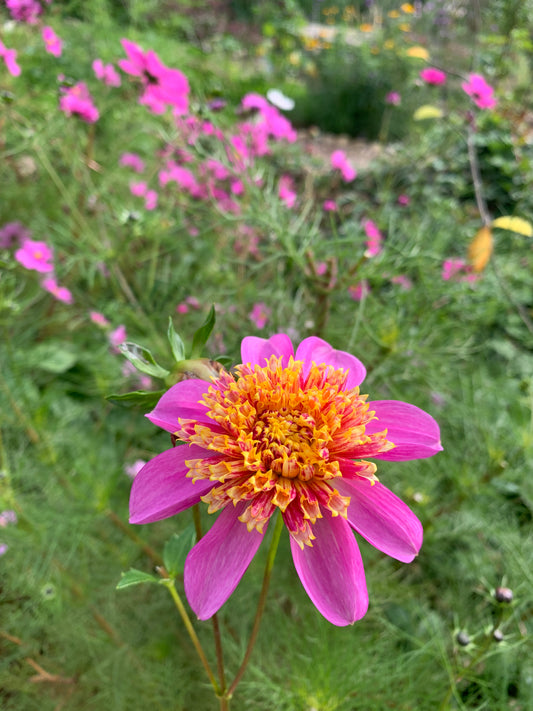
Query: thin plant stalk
260,606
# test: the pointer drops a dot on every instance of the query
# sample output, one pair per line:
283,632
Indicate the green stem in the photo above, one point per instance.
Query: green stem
260,605
192,634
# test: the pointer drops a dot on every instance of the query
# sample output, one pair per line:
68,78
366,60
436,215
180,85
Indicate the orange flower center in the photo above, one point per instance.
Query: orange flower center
281,434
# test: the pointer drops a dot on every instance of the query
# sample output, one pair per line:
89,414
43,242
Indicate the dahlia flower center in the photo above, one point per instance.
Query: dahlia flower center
276,436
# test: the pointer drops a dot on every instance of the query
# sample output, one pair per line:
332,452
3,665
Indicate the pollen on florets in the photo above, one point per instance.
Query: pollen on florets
278,434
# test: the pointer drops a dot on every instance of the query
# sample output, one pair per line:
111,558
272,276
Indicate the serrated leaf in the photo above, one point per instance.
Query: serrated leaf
142,359
176,344
135,577
202,334
480,249
427,112
176,549
514,224
146,398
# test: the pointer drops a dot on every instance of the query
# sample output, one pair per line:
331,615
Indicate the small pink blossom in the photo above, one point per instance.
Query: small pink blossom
329,206
359,291
162,86
286,191
393,98
35,255
24,10
117,336
11,232
457,270
52,43
99,319
402,281
374,238
404,200
339,161
10,58
77,101
138,189
133,469
182,308
260,315
480,91
7,517
150,200
133,161
434,76
106,73
61,293
321,268
3,548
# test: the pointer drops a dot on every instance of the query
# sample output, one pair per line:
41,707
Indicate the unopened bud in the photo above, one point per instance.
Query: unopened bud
200,368
503,595
497,636
463,639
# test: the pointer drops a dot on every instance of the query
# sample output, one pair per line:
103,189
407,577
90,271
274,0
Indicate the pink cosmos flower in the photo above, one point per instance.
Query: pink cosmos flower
375,238
359,291
133,469
35,255
291,433
116,337
77,101
106,73
434,76
393,98
286,190
24,10
10,58
162,86
340,162
329,206
481,92
133,161
99,319
260,315
11,232
52,43
61,293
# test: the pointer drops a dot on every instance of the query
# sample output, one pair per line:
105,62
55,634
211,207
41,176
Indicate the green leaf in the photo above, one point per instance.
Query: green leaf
176,344
146,398
135,577
142,359
54,356
202,334
176,550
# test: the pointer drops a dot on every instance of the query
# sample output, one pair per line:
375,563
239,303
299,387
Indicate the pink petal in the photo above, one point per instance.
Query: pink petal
414,432
255,350
382,518
218,561
332,571
162,489
315,349
182,400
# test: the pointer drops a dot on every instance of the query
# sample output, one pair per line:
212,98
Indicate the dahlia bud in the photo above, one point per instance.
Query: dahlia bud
503,595
463,639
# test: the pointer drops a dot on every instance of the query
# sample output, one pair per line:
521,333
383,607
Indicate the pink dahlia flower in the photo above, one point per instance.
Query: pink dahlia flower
480,91
291,433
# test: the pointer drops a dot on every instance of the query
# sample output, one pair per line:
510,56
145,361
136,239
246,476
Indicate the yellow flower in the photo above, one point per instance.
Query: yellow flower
407,8
388,44
394,14
418,52
366,27
405,27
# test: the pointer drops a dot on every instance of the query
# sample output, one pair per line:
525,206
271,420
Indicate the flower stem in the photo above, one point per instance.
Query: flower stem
192,634
260,605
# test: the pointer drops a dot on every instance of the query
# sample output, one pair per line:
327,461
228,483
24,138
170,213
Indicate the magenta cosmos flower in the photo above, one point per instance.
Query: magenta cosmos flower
291,432
480,91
